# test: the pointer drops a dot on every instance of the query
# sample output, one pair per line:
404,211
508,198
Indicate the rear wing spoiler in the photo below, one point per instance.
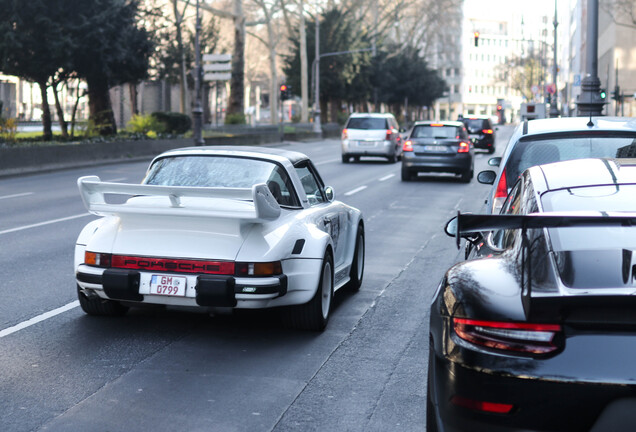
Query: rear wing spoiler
467,224
264,206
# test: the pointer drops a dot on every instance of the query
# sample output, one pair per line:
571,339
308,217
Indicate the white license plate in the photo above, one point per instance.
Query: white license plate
367,143
168,285
437,149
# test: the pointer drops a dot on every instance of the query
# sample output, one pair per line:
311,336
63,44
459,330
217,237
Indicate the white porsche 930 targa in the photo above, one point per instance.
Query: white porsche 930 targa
220,227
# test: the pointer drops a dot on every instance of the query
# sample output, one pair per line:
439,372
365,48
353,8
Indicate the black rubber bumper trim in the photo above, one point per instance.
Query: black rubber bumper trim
215,291
89,278
121,284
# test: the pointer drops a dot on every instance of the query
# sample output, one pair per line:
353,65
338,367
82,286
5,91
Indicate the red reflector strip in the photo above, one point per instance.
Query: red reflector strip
477,405
173,265
509,325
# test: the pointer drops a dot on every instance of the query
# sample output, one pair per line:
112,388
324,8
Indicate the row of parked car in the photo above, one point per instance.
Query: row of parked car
427,147
535,330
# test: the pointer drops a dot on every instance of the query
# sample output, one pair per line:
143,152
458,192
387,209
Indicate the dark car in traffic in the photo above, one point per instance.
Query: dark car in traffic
481,132
438,147
536,331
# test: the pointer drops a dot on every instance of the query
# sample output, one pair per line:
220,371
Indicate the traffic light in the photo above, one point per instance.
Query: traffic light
603,94
616,94
476,34
283,92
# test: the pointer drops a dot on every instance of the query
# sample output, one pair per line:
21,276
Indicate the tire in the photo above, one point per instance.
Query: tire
431,423
97,306
314,315
491,149
357,265
393,158
406,175
466,176
345,158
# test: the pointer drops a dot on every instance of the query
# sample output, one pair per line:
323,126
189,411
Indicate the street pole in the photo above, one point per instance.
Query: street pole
317,125
554,107
589,102
197,111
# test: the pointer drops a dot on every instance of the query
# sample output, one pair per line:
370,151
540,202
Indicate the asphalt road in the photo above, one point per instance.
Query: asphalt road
167,370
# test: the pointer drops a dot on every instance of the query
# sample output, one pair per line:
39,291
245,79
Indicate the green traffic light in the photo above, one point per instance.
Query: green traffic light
603,94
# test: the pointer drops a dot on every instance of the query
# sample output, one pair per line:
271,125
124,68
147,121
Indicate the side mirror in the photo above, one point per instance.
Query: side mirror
494,161
330,193
487,177
451,231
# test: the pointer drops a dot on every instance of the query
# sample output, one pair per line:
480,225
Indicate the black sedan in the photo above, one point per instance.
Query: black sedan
438,147
536,331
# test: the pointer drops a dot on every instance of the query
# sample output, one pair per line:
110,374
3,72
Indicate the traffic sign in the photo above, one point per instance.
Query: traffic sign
218,67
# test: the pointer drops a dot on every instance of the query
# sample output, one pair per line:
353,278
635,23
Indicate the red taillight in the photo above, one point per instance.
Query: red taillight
345,134
173,265
436,124
389,134
527,338
464,147
408,146
477,405
487,131
97,259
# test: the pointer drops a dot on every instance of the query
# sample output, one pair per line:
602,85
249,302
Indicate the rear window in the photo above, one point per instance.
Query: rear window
607,199
476,125
440,132
367,123
533,151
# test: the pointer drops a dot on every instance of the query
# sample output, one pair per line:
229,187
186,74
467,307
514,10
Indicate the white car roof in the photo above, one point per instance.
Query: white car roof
375,115
273,154
569,124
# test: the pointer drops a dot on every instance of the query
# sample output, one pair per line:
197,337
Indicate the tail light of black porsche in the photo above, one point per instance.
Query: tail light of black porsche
524,338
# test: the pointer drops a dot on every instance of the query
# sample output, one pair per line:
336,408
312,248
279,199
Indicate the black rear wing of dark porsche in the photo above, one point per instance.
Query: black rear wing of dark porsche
468,224
591,305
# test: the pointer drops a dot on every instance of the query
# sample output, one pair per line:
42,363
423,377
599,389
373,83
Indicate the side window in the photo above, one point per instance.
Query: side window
311,184
503,239
282,189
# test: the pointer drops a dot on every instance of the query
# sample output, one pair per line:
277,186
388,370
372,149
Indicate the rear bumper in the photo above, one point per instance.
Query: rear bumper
202,290
538,405
456,163
483,141
384,148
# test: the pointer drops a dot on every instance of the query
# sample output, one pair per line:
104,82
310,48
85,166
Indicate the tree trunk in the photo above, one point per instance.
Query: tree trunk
46,113
273,84
237,93
183,79
134,109
60,112
101,114
304,92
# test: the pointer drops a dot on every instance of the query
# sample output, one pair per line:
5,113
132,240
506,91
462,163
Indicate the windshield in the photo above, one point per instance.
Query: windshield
222,171
440,132
537,151
475,125
366,123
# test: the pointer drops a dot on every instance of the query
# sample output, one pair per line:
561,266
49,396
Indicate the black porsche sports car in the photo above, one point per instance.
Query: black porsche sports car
536,331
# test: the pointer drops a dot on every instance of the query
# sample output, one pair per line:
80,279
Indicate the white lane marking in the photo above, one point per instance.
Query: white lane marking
386,177
327,161
52,221
39,318
354,191
16,195
116,179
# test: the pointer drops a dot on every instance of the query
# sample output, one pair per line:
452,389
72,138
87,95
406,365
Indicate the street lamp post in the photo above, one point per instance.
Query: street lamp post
589,102
554,107
197,110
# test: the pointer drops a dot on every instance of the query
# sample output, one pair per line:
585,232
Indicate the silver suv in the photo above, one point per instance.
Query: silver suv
371,135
